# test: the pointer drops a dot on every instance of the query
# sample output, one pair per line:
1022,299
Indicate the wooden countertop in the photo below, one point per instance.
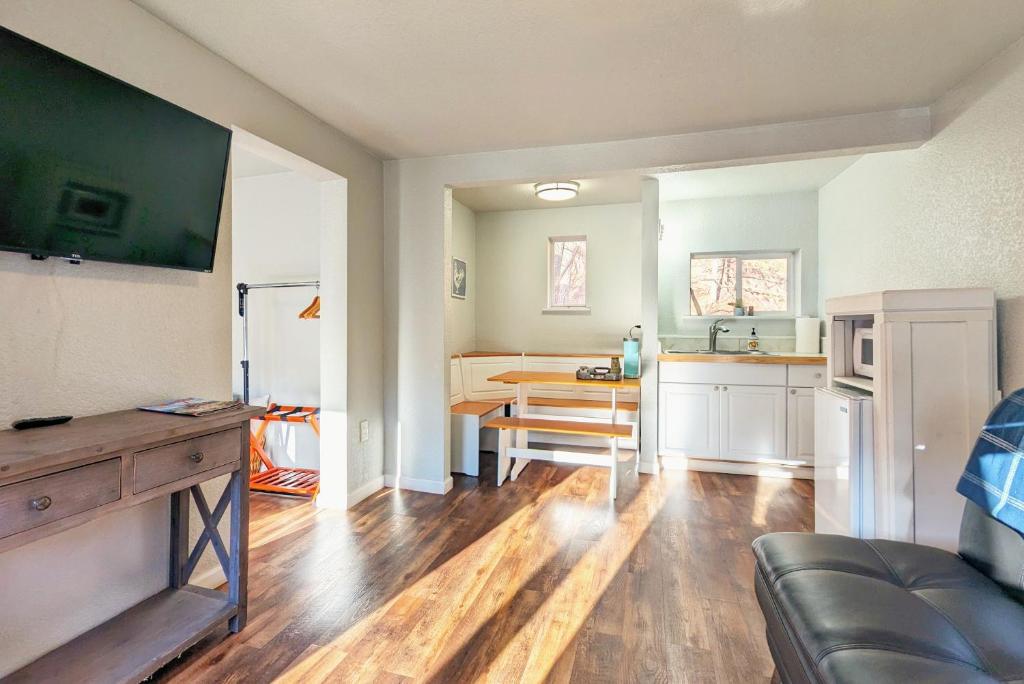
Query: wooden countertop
785,358
480,354
549,378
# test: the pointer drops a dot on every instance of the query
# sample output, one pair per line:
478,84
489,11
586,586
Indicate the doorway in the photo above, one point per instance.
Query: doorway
289,226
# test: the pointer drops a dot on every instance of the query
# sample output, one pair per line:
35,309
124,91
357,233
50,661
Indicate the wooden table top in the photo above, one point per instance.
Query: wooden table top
552,378
91,437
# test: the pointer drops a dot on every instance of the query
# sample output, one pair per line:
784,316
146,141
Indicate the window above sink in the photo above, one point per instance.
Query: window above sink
721,281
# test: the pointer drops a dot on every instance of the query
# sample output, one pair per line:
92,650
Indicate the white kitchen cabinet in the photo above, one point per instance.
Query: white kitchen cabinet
738,414
800,425
689,420
753,423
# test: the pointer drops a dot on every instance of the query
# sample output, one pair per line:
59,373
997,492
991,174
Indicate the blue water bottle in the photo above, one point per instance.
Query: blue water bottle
631,355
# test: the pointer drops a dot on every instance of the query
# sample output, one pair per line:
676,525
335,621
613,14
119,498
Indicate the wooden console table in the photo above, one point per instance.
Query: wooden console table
59,477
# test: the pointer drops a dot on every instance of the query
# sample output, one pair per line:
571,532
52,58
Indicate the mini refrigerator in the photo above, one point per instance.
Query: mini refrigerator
844,500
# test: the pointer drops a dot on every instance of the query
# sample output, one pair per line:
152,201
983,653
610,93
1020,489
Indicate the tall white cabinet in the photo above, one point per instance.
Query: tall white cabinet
934,383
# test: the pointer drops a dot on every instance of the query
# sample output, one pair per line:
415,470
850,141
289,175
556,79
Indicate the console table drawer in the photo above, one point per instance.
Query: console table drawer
42,500
160,465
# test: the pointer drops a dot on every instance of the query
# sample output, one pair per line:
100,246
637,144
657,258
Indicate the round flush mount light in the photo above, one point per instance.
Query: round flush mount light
557,192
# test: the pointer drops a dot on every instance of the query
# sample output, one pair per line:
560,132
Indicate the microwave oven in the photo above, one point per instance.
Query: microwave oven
864,352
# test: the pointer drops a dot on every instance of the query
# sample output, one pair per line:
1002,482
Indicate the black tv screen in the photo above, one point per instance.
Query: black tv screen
94,168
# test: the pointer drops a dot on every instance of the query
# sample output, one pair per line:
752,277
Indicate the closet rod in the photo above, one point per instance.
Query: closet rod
243,311
257,286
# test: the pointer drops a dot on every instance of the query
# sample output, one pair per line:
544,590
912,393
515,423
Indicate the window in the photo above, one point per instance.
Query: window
719,282
567,272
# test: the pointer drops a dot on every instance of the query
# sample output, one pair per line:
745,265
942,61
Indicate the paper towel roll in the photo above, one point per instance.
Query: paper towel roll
808,335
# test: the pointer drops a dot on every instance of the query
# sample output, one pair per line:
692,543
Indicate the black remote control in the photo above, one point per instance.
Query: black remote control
27,423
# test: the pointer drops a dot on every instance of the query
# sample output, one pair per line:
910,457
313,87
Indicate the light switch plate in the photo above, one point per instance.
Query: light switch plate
364,431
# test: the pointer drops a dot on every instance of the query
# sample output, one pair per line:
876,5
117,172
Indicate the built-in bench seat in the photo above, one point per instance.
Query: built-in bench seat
610,431
476,408
467,417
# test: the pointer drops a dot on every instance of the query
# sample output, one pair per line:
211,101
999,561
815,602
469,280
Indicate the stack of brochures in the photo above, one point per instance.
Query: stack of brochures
193,407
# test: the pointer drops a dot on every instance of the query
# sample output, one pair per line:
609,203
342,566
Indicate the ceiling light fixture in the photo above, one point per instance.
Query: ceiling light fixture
557,192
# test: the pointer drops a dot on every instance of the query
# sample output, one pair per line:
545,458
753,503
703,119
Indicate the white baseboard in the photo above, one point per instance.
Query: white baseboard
649,468
737,468
365,490
417,485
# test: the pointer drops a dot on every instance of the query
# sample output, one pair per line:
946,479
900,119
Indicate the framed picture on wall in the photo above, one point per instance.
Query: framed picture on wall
458,278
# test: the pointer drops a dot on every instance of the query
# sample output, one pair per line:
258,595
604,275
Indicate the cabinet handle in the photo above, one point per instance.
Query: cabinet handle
817,375
197,457
725,388
792,391
716,388
42,503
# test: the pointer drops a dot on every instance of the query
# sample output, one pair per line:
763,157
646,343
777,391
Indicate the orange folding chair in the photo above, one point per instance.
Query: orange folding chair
264,476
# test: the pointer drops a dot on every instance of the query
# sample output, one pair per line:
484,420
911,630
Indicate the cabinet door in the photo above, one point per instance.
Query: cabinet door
800,425
753,420
688,420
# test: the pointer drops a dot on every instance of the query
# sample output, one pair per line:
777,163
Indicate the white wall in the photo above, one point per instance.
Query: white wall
950,214
417,354
782,222
512,251
462,314
99,337
276,224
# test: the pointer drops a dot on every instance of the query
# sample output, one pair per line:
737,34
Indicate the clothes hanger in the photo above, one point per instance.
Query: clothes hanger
313,310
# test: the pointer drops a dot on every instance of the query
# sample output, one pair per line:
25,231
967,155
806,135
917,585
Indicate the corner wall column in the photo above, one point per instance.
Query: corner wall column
650,226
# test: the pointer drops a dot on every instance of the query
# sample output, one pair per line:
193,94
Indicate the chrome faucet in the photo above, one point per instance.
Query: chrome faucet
713,331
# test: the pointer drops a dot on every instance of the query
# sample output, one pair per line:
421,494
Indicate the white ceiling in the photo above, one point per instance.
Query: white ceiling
733,181
609,190
761,179
412,78
246,164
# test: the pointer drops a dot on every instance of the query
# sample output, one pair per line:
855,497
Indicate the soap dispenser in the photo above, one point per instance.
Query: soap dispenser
752,341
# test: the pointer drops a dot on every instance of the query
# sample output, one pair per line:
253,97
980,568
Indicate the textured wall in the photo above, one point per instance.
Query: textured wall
512,252
785,222
950,214
97,337
462,312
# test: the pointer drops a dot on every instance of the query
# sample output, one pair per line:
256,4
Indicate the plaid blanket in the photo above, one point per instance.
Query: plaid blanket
994,476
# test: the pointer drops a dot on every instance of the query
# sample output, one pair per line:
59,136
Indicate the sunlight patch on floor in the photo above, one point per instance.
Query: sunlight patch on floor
458,600
455,587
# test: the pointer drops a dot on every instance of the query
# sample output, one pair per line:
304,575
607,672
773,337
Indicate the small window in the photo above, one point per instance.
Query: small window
567,272
720,282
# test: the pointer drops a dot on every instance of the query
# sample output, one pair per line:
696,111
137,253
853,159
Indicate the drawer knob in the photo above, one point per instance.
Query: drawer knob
792,391
42,503
817,375
197,457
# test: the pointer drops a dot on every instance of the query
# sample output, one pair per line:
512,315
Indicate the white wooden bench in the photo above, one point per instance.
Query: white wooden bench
523,455
467,419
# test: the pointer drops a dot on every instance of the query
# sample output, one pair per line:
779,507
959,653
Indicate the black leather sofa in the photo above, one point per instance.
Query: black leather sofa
840,609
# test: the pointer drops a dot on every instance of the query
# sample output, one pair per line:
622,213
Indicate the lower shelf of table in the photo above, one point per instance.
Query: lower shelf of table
136,643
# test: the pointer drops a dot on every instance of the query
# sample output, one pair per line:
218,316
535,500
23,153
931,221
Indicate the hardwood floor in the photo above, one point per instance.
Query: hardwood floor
539,580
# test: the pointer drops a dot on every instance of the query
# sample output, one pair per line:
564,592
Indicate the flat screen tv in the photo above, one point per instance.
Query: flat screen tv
93,168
